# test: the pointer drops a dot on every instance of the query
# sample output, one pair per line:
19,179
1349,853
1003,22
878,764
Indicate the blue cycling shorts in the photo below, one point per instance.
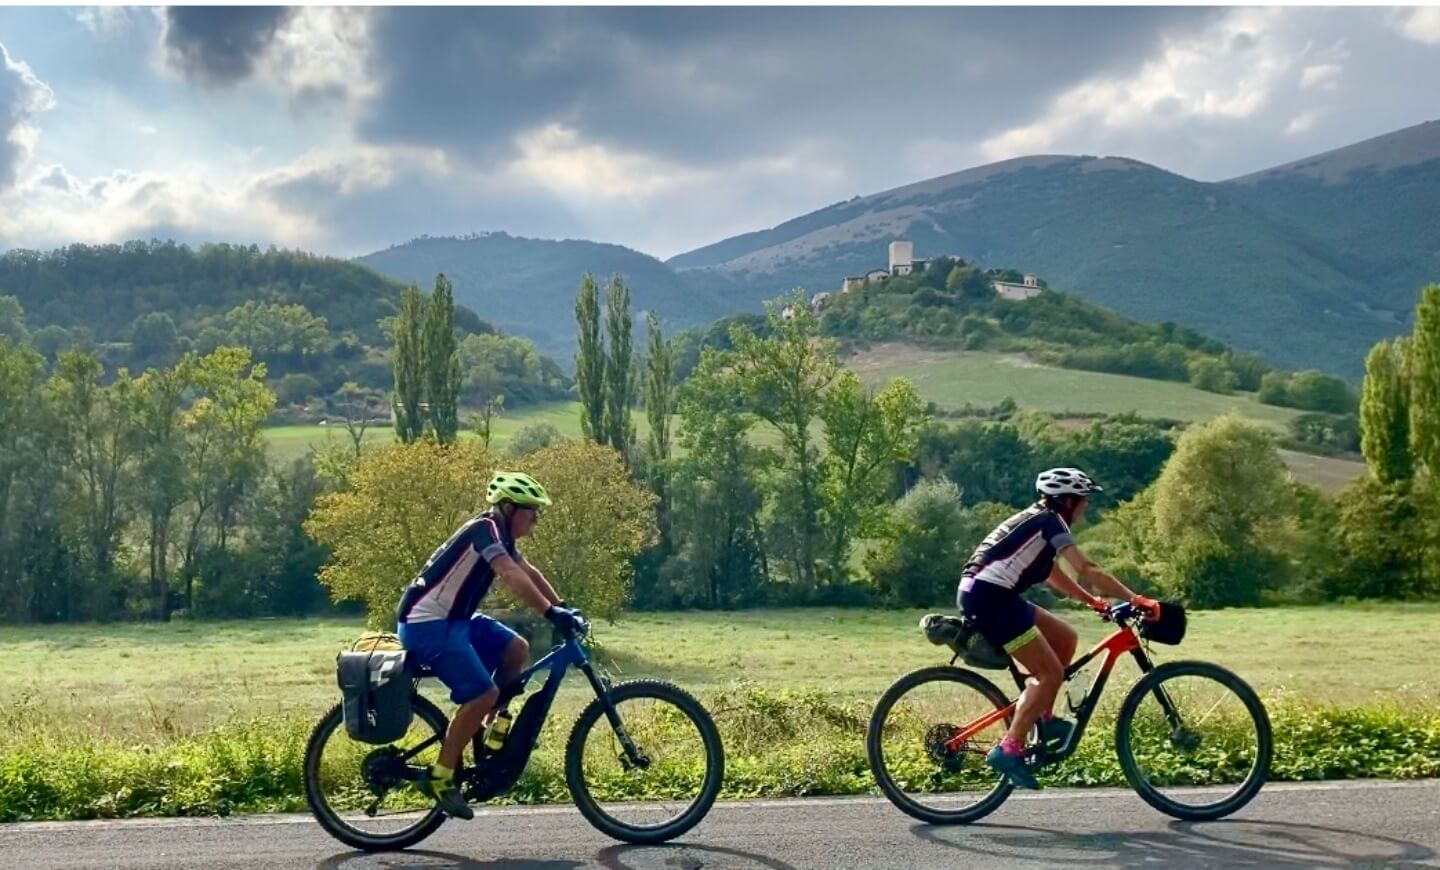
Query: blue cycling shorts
463,653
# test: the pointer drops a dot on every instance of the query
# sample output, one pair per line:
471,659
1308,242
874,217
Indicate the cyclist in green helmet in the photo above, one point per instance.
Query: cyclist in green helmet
441,626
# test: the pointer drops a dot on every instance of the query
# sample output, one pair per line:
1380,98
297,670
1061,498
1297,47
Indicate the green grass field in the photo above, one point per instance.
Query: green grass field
287,443
142,678
950,379
1328,473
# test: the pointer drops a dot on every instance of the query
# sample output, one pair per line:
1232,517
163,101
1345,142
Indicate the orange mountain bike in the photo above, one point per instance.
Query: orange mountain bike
1193,738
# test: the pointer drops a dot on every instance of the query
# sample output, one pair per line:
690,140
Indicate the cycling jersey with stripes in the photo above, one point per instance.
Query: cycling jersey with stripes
1021,551
458,574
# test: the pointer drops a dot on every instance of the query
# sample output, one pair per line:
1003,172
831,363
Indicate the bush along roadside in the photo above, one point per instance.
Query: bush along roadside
778,744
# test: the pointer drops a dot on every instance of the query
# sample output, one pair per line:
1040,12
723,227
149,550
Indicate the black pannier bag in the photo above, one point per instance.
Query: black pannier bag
376,689
1169,628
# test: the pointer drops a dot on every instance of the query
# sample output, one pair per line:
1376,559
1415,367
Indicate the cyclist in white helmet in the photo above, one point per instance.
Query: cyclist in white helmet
1034,546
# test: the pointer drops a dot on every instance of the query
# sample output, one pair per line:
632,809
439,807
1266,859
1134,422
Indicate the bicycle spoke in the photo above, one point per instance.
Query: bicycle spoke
651,771
929,748
367,788
670,776
1196,728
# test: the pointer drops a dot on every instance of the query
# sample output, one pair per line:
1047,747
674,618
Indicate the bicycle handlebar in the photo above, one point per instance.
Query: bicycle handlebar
582,628
1122,614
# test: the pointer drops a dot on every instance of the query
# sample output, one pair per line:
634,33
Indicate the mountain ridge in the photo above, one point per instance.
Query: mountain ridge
1281,260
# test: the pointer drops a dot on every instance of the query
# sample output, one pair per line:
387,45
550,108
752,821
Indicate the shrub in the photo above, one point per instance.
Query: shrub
1212,375
916,565
536,436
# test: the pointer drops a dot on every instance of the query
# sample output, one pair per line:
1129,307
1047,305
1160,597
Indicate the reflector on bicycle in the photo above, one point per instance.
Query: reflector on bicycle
960,636
1169,628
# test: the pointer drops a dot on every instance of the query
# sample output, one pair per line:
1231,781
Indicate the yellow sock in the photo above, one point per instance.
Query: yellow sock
441,773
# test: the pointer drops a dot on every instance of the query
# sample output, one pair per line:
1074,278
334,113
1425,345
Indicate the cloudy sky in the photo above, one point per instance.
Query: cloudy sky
346,130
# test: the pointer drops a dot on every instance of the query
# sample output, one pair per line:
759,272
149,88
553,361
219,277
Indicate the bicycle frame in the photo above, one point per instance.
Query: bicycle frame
1113,647
557,662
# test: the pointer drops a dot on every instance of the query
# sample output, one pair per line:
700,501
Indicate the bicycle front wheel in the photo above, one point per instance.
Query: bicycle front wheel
358,792
681,763
1194,740
910,743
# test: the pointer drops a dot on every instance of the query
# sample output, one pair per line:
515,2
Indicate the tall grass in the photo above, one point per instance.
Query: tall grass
778,744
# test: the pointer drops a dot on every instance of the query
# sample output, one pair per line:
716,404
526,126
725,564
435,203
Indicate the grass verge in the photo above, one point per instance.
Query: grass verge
778,744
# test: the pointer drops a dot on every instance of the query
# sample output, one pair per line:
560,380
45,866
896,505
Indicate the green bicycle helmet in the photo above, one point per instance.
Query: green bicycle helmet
517,487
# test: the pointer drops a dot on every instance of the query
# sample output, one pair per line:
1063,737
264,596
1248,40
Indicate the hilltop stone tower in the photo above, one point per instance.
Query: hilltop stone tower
902,257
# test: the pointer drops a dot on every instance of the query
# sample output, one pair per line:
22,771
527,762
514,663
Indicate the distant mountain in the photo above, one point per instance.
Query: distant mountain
143,304
1374,206
527,286
1310,262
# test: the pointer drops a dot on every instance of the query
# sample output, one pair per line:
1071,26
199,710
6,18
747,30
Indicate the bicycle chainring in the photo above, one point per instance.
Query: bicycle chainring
382,770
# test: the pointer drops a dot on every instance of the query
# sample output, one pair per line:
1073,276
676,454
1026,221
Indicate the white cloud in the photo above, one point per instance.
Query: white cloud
1421,24
554,158
52,208
315,56
107,21
22,95
55,176
319,56
1320,75
1301,122
1226,71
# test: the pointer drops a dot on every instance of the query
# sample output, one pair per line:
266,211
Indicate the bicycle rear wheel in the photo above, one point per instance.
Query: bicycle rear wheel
1194,740
356,791
907,738
679,779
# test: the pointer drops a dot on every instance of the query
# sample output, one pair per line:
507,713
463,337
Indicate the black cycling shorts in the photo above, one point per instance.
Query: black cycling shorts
1001,615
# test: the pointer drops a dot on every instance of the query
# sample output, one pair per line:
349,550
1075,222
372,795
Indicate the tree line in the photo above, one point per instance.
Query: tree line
768,474
139,496
321,325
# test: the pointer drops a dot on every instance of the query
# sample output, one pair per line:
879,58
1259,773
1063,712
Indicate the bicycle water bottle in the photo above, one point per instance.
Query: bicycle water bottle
499,729
1076,690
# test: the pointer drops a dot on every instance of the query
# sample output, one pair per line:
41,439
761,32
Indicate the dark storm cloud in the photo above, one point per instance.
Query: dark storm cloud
702,85
220,45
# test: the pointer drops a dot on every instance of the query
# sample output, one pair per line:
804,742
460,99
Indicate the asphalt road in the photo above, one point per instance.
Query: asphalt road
1364,824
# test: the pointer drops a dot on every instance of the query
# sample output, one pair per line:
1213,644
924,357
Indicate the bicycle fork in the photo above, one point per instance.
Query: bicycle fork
1172,713
632,757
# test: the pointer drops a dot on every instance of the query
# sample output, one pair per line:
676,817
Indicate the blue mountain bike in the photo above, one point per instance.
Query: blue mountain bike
643,763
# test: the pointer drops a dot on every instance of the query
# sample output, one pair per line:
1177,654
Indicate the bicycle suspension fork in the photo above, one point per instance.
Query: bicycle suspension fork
1172,715
633,756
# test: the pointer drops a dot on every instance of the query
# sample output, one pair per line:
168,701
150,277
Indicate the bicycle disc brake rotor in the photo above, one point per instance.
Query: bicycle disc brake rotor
382,770
1184,739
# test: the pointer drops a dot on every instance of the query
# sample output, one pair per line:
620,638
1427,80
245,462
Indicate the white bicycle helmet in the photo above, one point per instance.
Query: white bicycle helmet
1066,481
